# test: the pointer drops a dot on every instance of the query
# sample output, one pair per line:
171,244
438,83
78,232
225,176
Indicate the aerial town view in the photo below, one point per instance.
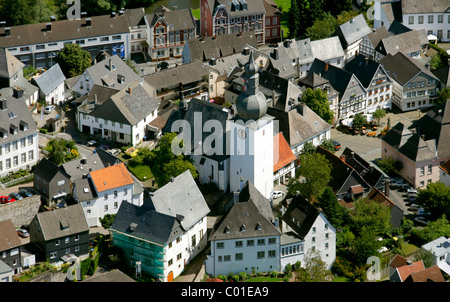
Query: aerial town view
225,141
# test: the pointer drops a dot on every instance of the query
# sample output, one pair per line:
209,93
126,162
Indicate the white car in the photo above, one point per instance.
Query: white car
278,194
49,109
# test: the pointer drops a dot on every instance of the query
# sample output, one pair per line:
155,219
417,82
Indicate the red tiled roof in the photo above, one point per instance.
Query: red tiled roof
357,189
398,261
430,274
282,153
446,167
406,270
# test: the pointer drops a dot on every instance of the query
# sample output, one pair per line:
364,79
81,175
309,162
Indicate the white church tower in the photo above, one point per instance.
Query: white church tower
251,137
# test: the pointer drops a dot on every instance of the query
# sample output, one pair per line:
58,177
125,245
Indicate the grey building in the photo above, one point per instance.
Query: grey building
10,246
52,183
64,231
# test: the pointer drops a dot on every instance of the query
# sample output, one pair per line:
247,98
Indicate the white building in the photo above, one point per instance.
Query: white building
123,117
164,234
306,233
440,249
247,239
18,136
351,34
103,191
51,85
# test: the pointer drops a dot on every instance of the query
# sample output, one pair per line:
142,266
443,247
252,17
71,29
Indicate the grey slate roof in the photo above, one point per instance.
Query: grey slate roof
180,197
102,75
253,7
9,64
424,6
363,68
338,78
129,107
402,68
16,114
408,42
251,216
378,34
305,51
300,215
52,223
299,124
327,49
47,170
77,168
206,48
50,79
179,19
352,30
84,190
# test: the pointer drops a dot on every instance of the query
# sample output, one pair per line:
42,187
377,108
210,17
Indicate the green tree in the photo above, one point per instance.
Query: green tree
73,60
359,121
364,246
315,172
322,28
390,166
336,7
443,95
19,12
308,148
372,215
315,269
302,15
330,206
436,61
435,198
317,101
378,115
346,16
434,230
328,145
57,150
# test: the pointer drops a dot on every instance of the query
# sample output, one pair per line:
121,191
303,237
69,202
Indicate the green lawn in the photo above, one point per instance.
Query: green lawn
196,13
142,172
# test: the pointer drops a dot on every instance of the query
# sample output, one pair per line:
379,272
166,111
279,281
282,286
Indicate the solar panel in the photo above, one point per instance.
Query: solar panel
446,244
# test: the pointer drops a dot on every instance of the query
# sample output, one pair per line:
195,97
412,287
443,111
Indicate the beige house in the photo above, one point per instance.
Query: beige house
422,148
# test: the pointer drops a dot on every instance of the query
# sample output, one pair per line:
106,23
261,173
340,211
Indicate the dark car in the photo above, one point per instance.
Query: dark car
6,199
15,196
25,193
337,145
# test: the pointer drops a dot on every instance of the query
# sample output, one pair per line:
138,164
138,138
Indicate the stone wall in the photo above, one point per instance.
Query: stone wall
21,212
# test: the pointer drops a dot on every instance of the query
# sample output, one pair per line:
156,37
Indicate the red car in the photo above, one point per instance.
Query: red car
6,199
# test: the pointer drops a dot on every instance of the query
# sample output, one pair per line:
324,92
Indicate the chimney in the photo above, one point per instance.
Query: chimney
52,18
113,14
172,179
301,108
48,26
366,60
275,53
247,51
325,68
120,12
213,61
386,187
241,183
7,31
3,104
287,43
409,262
17,92
88,22
235,197
2,23
110,64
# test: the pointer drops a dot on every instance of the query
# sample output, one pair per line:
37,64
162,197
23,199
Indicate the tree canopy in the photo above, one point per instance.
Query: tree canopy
73,60
435,198
317,101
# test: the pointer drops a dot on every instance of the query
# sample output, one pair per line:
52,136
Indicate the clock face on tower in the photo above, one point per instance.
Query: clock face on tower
242,133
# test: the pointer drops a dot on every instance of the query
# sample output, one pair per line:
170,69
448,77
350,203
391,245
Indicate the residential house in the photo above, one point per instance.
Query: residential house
6,272
208,48
307,233
440,249
386,13
187,80
51,85
371,41
273,32
395,211
352,94
123,117
351,34
103,191
59,233
37,44
168,31
52,183
246,238
375,80
431,274
299,126
284,60
112,72
413,43
414,86
432,16
306,57
401,273
12,80
219,17
283,160
163,235
138,29
18,136
422,148
444,173
329,50
10,247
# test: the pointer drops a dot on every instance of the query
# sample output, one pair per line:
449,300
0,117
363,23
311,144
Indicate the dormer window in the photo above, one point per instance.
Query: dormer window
23,126
13,129
242,229
227,230
258,226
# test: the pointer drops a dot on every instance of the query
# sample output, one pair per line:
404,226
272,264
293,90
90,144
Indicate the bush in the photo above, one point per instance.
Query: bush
43,130
243,276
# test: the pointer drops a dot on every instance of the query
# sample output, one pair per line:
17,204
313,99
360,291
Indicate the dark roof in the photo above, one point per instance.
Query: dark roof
338,77
179,19
363,68
8,236
397,27
64,30
352,30
250,216
47,170
378,34
84,190
146,223
206,48
395,212
62,222
253,7
300,216
402,68
9,64
407,42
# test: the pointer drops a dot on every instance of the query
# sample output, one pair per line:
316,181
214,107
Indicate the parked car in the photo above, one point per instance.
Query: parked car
6,199
397,183
49,109
23,233
423,212
336,144
278,194
15,196
25,193
411,191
